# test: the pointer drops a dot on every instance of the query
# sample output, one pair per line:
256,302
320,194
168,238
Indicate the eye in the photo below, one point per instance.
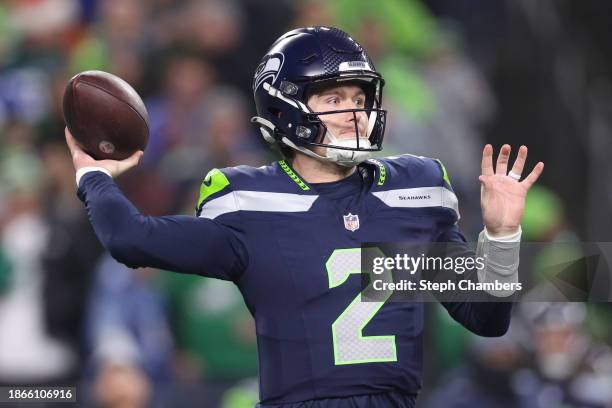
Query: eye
332,100
359,101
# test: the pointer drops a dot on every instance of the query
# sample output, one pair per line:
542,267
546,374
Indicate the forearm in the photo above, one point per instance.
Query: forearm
482,312
501,260
114,218
488,319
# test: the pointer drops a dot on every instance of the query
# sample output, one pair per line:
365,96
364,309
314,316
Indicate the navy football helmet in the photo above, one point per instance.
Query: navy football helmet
296,63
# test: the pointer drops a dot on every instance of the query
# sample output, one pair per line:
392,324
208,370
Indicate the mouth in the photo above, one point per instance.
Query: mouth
350,132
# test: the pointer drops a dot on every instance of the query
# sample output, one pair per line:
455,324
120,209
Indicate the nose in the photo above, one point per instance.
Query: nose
350,116
360,117
351,121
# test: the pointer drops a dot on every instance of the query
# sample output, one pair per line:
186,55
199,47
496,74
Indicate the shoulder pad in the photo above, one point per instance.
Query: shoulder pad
220,184
221,181
409,171
214,184
416,177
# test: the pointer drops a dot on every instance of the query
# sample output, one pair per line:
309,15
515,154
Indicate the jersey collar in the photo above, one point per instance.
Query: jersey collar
288,170
372,166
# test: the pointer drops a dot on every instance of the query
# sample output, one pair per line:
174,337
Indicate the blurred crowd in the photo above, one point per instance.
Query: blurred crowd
458,74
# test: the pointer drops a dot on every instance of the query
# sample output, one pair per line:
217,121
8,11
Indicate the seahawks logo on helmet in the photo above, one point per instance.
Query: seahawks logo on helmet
268,69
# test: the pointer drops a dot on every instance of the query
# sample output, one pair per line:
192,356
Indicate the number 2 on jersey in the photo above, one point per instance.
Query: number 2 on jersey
350,345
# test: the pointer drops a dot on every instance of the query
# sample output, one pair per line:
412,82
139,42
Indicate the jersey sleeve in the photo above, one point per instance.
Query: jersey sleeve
484,318
183,244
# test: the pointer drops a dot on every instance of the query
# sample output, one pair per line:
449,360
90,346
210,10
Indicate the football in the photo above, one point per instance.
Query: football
105,115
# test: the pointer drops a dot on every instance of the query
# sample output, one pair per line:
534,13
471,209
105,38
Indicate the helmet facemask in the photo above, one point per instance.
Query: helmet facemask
356,149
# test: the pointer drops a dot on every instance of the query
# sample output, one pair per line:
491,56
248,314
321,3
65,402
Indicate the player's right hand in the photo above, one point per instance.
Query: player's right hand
81,159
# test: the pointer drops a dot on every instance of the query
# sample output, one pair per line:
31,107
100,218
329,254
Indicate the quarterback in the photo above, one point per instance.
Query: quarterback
289,234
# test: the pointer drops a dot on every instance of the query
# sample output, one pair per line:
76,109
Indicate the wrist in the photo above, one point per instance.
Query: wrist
503,233
88,169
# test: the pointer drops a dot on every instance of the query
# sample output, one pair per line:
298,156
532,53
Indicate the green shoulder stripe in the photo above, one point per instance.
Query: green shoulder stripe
214,182
445,174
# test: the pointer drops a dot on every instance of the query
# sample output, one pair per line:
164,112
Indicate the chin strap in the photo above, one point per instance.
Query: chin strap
352,157
305,150
342,161
265,127
346,158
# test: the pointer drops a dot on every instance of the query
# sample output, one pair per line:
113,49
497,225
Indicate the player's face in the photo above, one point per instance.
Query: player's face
337,98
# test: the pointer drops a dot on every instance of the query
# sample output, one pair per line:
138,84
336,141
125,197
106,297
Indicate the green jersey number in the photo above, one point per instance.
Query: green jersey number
350,345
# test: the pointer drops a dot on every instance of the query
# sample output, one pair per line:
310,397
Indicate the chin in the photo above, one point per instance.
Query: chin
349,136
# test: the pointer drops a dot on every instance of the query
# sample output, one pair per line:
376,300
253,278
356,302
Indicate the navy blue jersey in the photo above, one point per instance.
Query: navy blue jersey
293,250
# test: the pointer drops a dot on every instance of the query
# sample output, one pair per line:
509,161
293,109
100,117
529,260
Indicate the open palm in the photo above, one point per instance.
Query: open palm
502,195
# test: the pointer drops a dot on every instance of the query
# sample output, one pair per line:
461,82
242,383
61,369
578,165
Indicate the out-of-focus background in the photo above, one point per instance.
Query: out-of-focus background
459,74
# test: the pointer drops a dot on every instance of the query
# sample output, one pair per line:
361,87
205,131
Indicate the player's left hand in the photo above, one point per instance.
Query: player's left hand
502,194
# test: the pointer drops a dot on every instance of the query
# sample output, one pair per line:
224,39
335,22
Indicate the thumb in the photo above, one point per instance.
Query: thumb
128,163
134,159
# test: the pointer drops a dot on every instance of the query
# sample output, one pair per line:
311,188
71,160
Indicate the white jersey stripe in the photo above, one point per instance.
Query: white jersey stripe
286,202
420,197
257,201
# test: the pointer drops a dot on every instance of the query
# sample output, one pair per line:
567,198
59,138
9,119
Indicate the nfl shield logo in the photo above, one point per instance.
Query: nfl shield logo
351,222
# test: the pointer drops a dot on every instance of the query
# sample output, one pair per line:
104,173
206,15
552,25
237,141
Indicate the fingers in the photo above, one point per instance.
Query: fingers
74,147
519,163
70,142
502,160
533,176
487,161
79,157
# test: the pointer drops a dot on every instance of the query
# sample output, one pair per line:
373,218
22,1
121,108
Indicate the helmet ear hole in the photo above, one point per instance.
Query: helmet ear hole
275,111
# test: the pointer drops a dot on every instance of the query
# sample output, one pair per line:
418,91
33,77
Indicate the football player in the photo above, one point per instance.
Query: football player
289,234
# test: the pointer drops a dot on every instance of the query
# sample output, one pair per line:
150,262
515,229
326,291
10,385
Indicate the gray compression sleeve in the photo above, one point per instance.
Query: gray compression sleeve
501,260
